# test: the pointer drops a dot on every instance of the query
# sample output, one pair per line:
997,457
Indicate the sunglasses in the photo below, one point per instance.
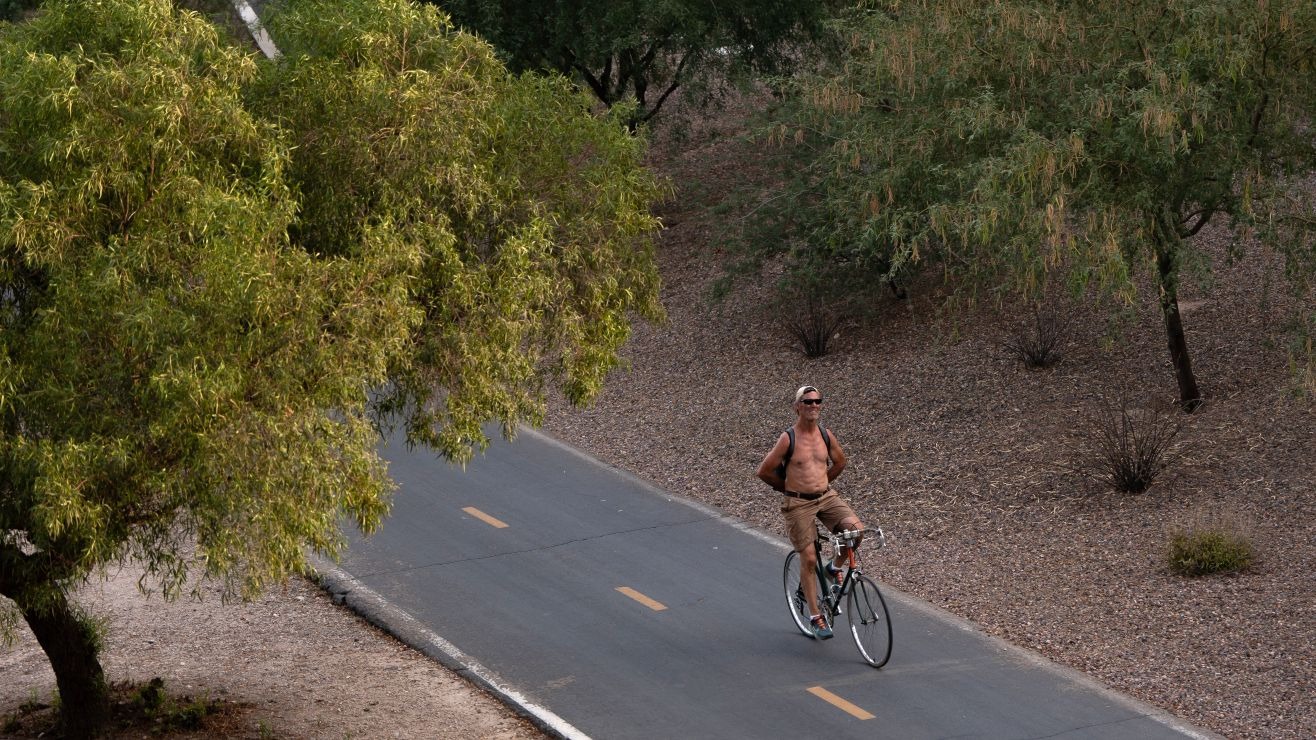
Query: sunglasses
811,401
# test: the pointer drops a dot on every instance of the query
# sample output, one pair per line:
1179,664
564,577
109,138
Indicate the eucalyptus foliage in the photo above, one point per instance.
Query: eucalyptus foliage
1021,143
216,276
644,50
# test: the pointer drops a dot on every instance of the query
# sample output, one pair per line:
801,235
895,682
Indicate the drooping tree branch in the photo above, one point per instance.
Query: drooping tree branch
677,79
599,84
1203,216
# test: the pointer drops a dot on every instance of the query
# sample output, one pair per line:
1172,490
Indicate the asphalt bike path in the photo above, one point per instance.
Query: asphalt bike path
603,607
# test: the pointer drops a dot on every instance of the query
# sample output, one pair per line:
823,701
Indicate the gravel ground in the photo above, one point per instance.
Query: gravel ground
966,459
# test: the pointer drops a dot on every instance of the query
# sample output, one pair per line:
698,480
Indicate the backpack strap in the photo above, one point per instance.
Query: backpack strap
786,459
790,450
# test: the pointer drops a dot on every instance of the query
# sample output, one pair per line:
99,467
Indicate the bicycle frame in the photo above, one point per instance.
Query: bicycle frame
828,593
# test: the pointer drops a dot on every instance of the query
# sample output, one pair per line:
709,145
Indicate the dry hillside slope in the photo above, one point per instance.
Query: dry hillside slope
963,457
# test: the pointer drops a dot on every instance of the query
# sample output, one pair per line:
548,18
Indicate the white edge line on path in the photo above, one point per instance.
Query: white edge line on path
1023,654
377,610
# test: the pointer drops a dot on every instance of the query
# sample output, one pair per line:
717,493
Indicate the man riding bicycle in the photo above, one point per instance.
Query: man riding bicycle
802,465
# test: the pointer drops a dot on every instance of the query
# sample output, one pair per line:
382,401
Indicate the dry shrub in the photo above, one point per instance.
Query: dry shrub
1038,345
815,327
1129,448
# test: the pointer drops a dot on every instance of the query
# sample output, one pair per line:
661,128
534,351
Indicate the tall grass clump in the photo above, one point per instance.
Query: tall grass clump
1210,546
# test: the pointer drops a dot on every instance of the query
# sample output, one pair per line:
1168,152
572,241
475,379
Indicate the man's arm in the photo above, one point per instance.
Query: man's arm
838,458
767,471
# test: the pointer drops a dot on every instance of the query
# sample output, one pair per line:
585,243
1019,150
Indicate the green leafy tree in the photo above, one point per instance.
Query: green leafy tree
527,216
194,311
643,50
1016,144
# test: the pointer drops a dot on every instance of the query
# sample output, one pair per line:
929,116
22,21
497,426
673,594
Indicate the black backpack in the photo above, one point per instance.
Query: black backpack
786,459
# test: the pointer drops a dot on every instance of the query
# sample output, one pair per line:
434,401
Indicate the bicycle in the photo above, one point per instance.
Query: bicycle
865,609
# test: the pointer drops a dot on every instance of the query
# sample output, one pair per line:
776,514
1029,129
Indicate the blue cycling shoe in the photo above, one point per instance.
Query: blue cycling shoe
820,629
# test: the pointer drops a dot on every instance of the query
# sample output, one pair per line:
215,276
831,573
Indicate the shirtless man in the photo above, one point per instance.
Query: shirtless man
807,493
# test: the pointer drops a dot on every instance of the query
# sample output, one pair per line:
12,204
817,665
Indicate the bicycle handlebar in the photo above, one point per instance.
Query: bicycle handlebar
847,537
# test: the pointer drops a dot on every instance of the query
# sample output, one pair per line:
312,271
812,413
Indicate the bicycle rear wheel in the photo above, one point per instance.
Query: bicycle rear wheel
870,623
795,601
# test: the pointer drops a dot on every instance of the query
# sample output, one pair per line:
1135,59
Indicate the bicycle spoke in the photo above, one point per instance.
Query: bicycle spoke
794,591
870,623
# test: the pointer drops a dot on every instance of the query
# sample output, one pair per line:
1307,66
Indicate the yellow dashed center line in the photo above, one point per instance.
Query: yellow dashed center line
484,517
655,605
839,703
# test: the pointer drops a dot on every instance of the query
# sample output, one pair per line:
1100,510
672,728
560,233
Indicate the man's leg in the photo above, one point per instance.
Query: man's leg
802,533
853,524
809,578
809,582
837,516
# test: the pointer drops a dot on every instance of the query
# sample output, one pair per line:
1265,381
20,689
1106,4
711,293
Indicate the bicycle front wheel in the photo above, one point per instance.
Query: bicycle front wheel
870,623
795,601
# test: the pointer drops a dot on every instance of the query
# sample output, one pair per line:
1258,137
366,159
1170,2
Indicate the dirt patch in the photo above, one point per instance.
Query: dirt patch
292,665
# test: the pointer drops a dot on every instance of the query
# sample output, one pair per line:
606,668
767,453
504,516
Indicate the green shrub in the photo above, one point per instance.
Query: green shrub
1213,548
168,713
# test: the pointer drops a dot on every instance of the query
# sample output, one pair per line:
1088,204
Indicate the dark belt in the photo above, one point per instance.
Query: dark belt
805,496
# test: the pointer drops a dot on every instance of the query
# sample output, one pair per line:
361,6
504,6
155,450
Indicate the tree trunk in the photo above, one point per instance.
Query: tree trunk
84,700
69,643
1190,398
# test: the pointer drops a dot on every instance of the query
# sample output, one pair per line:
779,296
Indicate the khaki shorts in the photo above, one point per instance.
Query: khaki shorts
830,509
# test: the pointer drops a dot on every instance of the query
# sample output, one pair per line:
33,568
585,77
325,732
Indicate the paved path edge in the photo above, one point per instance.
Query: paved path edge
347,591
